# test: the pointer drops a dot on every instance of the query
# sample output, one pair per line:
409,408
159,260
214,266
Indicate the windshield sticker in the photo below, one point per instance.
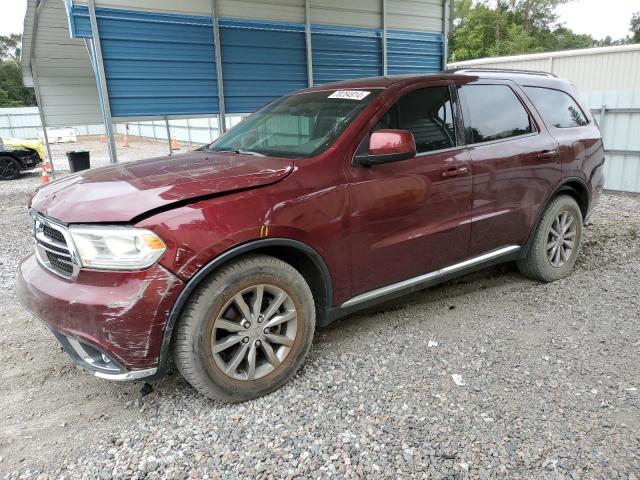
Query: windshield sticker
349,94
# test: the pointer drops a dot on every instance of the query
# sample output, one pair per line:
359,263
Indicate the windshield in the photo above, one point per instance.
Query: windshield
296,126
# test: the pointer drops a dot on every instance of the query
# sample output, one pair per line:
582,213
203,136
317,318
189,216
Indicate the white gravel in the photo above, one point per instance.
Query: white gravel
489,376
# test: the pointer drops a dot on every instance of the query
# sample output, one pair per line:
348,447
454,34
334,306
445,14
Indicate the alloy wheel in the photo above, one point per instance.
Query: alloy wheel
561,239
254,332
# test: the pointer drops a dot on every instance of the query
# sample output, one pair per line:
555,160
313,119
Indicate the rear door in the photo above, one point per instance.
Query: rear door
412,217
580,141
514,163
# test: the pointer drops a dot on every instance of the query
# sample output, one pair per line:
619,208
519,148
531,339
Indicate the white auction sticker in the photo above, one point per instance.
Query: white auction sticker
349,94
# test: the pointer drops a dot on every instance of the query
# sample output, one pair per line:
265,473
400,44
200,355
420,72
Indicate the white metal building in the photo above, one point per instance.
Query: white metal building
608,79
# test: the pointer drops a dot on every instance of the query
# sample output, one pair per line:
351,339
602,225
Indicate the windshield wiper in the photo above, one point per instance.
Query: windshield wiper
239,152
248,152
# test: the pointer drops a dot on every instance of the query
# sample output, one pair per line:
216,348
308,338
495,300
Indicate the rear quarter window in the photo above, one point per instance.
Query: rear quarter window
558,108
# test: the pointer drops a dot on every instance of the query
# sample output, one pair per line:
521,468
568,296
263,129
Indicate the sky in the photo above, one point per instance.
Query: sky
598,18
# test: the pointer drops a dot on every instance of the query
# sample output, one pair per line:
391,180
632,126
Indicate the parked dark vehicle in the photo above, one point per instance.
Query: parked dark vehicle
324,202
18,155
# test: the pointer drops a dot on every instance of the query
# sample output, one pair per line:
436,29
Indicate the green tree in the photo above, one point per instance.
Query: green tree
10,46
635,27
484,28
13,93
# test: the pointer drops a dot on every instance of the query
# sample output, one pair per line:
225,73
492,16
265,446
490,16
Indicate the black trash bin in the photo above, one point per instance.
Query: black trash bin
78,160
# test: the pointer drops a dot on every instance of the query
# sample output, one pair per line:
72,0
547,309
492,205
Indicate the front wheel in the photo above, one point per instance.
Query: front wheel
246,330
556,242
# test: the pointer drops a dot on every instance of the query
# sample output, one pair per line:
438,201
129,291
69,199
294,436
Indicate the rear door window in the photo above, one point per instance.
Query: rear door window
557,107
493,112
428,114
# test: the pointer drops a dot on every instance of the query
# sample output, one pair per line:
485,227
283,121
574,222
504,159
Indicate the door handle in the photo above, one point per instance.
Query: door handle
547,154
455,172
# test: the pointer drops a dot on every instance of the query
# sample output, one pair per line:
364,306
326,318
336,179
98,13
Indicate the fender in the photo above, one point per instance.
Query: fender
224,257
560,187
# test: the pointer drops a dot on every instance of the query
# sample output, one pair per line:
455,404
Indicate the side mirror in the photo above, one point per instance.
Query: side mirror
387,146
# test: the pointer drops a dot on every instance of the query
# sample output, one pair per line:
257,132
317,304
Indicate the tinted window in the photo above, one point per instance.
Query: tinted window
493,112
557,107
426,113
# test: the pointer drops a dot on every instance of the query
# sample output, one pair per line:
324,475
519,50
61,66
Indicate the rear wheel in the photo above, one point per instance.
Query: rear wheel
9,168
246,330
556,241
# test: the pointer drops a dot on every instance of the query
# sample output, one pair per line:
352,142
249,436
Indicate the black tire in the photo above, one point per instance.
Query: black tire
199,332
545,260
9,168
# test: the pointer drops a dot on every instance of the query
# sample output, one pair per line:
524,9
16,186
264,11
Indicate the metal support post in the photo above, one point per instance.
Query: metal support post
166,122
218,55
36,86
102,83
307,38
445,33
385,63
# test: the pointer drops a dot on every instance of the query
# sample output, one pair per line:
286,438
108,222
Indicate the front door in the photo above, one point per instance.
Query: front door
412,217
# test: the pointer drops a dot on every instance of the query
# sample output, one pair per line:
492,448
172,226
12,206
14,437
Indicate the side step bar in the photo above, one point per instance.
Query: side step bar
428,277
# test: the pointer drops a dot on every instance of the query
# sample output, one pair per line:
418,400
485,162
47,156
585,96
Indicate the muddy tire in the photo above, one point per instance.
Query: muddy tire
556,242
246,330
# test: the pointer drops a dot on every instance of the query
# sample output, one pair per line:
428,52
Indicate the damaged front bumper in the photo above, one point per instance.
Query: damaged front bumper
110,323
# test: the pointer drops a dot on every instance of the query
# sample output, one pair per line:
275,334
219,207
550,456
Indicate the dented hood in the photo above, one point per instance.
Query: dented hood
120,193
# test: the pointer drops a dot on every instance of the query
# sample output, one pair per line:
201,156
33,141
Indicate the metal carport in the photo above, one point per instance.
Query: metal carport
138,60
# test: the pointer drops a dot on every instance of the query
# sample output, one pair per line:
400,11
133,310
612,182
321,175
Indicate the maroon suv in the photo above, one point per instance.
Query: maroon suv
326,201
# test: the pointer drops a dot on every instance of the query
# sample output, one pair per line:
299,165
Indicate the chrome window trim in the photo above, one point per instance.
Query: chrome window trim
502,140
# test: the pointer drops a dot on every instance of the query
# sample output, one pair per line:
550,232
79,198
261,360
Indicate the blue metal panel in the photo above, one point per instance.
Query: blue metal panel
261,61
163,64
414,52
341,53
155,64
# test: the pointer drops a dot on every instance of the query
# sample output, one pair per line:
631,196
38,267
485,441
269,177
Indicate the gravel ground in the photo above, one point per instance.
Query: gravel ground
489,376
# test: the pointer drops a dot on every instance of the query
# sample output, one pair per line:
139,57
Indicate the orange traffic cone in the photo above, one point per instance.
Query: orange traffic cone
47,165
45,176
126,140
174,143
103,139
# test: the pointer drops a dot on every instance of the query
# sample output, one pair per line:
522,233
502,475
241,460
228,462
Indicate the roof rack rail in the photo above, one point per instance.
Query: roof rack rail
499,70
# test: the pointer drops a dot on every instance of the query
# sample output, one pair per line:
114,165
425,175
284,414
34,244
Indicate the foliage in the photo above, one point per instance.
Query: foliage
635,27
486,28
10,46
13,93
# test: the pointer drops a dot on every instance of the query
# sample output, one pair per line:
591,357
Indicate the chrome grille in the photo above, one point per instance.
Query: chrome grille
53,247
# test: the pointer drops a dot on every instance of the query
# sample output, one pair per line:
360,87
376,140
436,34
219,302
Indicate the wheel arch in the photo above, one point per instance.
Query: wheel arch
299,255
573,186
577,188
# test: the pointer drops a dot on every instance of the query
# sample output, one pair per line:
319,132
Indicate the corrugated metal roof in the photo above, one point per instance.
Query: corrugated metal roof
341,53
159,56
414,52
415,15
65,76
155,63
261,61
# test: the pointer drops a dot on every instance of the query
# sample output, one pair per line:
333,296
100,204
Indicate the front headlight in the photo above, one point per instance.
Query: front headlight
116,248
